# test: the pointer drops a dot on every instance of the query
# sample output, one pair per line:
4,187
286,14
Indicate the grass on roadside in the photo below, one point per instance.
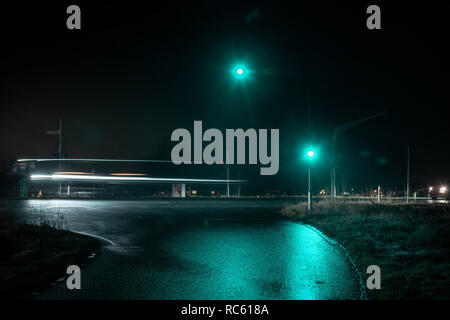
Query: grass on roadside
32,256
410,243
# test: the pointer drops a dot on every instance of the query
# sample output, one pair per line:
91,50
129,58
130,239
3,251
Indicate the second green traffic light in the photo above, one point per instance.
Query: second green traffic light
239,71
310,154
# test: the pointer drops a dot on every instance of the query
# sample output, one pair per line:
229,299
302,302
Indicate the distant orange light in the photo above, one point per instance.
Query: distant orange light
128,174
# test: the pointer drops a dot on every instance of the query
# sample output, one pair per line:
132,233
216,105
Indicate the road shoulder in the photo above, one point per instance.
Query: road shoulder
33,257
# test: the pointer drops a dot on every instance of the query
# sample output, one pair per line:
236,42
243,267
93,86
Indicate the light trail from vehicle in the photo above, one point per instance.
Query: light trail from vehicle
90,160
127,174
71,177
72,172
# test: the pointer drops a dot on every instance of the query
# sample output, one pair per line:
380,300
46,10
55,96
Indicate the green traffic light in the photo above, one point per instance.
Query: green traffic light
310,154
239,71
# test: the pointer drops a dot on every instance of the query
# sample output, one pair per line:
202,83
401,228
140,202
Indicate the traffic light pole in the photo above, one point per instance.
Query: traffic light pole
228,180
309,190
407,180
228,174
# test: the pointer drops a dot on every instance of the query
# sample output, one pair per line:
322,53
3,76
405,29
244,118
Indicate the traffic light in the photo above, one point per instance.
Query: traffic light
240,71
310,153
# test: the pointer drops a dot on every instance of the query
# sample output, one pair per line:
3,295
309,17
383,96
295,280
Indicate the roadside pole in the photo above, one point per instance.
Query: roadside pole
228,180
228,174
59,132
60,152
407,180
309,190
337,132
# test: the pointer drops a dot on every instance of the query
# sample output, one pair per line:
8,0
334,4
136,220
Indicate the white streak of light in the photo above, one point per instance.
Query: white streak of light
66,177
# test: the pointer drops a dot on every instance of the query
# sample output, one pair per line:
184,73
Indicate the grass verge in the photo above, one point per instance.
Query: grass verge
33,256
410,243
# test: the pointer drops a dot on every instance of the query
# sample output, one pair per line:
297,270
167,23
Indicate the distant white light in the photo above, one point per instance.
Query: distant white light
310,153
443,189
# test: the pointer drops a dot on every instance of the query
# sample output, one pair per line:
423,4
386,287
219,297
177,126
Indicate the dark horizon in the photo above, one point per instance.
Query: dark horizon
135,73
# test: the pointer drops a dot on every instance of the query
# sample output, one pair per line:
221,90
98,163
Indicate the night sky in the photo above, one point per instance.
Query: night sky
135,72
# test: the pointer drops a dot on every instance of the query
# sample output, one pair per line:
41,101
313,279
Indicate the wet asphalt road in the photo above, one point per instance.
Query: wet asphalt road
197,249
